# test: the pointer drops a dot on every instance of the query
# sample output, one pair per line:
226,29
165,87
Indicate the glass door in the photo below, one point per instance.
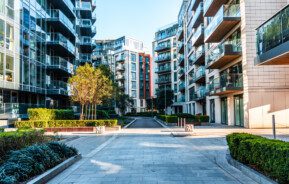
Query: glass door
224,111
239,110
212,111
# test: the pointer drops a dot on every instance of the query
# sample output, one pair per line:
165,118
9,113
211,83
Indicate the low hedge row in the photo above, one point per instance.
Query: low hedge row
33,160
65,123
270,157
189,118
10,141
168,118
143,114
50,114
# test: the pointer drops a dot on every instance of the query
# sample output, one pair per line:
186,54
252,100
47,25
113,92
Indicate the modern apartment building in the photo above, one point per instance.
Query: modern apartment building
131,66
221,78
165,64
41,43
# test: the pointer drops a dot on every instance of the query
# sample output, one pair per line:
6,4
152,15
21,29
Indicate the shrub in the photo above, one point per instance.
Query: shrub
203,119
33,160
10,141
65,123
50,114
143,114
266,155
168,118
101,114
2,130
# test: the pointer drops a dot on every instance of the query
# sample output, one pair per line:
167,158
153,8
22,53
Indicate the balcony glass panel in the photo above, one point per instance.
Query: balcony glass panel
85,23
200,72
62,40
233,80
197,34
226,11
207,4
197,14
59,63
163,45
83,5
57,14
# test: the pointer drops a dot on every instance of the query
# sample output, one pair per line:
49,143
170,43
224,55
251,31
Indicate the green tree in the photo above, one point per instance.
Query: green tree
123,101
164,99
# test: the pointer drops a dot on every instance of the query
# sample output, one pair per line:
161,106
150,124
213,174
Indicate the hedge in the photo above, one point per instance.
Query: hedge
65,123
144,114
10,141
168,118
33,160
50,114
270,157
189,117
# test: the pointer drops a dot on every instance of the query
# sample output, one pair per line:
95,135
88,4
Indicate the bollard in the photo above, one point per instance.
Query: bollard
274,126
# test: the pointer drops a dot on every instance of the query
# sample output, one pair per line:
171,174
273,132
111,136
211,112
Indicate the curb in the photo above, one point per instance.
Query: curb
161,123
51,173
126,126
69,139
251,173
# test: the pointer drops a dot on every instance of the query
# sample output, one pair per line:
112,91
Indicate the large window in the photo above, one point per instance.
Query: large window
1,66
133,67
133,57
9,68
2,7
2,32
10,9
9,37
133,76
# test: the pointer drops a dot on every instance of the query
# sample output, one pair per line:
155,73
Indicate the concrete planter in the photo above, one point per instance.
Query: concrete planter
99,129
72,129
111,129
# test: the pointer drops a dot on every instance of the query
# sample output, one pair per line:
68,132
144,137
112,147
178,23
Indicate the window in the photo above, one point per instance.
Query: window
2,7
9,37
2,32
133,57
9,68
133,85
10,9
133,94
133,67
1,66
133,76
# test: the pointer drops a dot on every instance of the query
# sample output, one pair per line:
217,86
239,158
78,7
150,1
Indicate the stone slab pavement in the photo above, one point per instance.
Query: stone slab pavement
153,156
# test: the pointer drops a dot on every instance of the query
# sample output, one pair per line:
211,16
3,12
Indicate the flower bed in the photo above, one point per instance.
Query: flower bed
31,161
265,155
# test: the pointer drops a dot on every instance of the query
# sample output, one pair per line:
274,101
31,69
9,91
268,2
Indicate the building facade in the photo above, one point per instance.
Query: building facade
41,43
126,58
221,78
165,64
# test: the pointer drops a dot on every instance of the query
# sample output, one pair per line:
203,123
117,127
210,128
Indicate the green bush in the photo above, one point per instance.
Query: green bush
102,114
268,156
143,114
65,123
10,141
33,160
50,114
2,130
168,118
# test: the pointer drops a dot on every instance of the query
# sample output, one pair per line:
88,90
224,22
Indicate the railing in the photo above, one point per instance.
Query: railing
162,46
207,4
62,40
163,80
57,14
182,98
163,69
120,59
199,31
58,62
180,31
181,59
226,81
219,51
180,46
17,110
197,13
85,40
85,23
163,58
201,72
224,12
85,57
274,32
182,86
83,5
119,77
69,4
120,67
58,87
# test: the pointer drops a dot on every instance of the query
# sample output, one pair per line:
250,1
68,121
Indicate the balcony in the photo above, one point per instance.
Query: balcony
226,84
200,76
66,6
163,70
119,77
17,110
59,64
182,87
163,81
181,60
163,58
120,59
181,99
223,54
85,26
180,33
58,88
211,7
180,48
225,20
166,46
61,23
120,68
85,44
85,58
198,36
198,17
198,57
181,73
60,45
200,94
84,8
273,40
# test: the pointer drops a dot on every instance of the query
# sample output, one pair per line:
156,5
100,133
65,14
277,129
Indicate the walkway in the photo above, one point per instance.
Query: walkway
153,156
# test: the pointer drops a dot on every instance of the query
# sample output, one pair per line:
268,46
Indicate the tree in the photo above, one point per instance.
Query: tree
89,87
123,101
164,99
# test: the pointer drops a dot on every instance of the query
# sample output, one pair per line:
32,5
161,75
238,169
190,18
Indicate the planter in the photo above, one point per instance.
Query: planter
72,129
111,129
99,129
189,128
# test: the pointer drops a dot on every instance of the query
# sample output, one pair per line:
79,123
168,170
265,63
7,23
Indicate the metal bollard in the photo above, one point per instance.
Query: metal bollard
274,126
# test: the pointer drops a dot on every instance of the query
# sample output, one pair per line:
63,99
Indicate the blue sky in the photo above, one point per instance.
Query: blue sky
135,18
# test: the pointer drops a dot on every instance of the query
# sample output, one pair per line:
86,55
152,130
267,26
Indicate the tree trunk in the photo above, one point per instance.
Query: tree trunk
82,109
95,112
89,110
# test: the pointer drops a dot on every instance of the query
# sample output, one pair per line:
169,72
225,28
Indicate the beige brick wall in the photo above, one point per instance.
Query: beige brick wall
266,88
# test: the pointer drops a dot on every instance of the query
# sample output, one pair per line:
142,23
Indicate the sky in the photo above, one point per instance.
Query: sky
139,19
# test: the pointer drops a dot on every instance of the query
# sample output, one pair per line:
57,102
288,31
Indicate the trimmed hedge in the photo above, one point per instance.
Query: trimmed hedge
50,114
10,141
143,114
65,123
33,160
270,157
168,118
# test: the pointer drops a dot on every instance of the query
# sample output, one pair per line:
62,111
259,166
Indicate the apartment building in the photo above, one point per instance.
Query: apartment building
131,66
41,43
221,78
165,64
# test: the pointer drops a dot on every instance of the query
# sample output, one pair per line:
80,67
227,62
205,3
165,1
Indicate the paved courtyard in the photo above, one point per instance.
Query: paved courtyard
141,154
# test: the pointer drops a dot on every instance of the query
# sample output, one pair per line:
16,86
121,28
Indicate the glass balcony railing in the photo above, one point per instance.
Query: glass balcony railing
198,13
163,46
160,58
57,14
182,98
83,6
69,4
120,68
163,69
207,4
226,48
58,87
85,23
57,38
85,40
180,32
181,60
201,72
273,37
226,11
182,86
163,80
199,31
85,57
200,94
226,82
61,63
120,59
17,110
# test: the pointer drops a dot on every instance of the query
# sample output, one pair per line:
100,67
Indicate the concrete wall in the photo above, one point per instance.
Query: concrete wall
266,88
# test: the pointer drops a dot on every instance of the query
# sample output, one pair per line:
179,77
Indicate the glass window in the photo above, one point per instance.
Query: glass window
9,37
133,93
2,32
2,7
134,85
10,9
133,57
133,76
133,67
1,66
9,68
